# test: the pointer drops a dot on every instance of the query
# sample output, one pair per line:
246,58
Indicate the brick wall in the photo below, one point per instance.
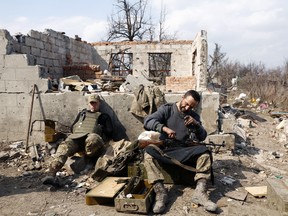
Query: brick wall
52,50
84,71
179,84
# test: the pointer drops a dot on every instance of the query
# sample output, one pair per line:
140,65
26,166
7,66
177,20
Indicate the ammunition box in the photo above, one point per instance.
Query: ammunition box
138,200
105,191
50,133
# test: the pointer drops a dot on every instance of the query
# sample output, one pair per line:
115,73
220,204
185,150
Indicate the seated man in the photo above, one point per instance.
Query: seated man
177,122
90,130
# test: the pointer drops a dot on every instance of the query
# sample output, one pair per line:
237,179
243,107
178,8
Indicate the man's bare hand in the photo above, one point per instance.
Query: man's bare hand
171,134
189,120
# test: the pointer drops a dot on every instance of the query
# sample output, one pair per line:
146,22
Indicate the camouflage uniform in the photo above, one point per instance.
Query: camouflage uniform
154,174
90,131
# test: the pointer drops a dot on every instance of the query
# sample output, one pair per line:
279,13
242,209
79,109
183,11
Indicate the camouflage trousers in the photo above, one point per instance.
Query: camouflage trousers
90,145
152,167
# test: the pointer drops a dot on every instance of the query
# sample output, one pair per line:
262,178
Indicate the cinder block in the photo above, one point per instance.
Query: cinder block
227,125
8,74
8,100
16,86
208,111
277,195
228,139
27,73
18,60
1,60
34,34
2,86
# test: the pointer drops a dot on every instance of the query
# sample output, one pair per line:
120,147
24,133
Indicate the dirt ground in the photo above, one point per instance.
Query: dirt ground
250,164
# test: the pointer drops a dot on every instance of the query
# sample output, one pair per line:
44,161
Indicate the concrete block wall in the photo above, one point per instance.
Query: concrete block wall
63,107
181,55
52,50
188,58
28,61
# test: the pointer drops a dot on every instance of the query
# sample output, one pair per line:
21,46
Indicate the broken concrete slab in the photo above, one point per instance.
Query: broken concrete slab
277,194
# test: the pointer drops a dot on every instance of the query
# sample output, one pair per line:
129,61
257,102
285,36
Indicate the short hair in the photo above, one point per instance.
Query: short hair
194,94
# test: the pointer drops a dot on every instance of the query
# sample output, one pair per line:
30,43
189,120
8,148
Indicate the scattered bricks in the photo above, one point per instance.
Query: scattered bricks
176,84
227,125
229,140
277,195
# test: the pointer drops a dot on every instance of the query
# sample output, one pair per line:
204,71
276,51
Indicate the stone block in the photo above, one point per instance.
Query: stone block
25,49
208,111
8,74
2,86
31,42
1,60
8,100
16,86
34,34
35,51
227,125
27,73
18,60
277,195
228,139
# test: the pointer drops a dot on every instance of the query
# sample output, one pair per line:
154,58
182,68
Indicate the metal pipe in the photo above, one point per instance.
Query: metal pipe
30,118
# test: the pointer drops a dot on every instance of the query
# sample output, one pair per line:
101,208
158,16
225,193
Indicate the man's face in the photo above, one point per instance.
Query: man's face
187,103
94,106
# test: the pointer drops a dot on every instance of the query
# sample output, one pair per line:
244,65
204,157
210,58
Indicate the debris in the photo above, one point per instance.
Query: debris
237,195
228,180
257,191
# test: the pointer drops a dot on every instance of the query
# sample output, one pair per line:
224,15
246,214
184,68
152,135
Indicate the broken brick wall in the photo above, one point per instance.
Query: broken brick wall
52,51
84,71
188,58
27,61
178,84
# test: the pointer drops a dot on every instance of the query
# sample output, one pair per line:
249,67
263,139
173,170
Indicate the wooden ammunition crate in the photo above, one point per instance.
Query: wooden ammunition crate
106,191
138,200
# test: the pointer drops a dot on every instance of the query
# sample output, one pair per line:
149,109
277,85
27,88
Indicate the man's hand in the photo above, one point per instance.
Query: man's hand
188,120
171,134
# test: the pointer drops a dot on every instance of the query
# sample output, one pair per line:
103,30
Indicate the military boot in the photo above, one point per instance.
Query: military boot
160,199
50,177
200,196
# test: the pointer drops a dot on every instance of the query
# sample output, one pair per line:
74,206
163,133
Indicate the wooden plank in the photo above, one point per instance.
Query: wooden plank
107,188
257,191
237,195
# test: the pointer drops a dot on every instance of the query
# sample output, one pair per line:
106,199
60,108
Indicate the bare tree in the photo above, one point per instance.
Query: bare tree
163,35
129,22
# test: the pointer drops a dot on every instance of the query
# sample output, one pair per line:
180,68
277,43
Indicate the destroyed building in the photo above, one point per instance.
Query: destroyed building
30,64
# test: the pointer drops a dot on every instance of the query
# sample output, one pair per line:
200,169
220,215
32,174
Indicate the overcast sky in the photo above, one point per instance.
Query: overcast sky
247,30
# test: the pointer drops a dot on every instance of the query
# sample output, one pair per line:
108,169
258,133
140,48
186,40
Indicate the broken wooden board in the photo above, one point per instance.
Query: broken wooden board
106,191
257,191
237,195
